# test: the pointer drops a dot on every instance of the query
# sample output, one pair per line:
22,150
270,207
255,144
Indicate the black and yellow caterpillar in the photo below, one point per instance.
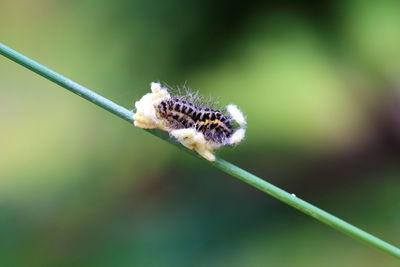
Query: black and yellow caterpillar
180,114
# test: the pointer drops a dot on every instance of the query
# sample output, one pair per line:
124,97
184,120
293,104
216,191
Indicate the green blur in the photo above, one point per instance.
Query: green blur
319,86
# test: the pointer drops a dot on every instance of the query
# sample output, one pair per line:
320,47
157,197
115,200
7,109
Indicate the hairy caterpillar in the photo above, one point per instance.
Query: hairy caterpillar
195,126
213,124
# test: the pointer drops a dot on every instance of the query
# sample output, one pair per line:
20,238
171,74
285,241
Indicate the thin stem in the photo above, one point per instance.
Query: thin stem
221,164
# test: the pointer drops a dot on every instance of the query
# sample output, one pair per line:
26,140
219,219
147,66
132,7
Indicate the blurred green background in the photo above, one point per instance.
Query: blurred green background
319,83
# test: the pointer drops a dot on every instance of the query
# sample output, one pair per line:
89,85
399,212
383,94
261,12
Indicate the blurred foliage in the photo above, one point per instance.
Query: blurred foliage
318,82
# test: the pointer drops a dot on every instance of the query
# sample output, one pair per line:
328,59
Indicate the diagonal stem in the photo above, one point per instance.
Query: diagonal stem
221,164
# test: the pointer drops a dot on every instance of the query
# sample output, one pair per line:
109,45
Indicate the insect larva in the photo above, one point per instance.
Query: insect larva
197,127
213,124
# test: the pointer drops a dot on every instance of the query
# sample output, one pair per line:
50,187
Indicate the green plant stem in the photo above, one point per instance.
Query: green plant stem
221,164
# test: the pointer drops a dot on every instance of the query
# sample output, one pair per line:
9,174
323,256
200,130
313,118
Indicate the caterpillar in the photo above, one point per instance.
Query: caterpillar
213,124
197,127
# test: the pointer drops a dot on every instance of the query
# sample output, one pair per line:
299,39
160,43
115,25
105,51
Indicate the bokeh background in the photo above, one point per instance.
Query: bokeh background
319,82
